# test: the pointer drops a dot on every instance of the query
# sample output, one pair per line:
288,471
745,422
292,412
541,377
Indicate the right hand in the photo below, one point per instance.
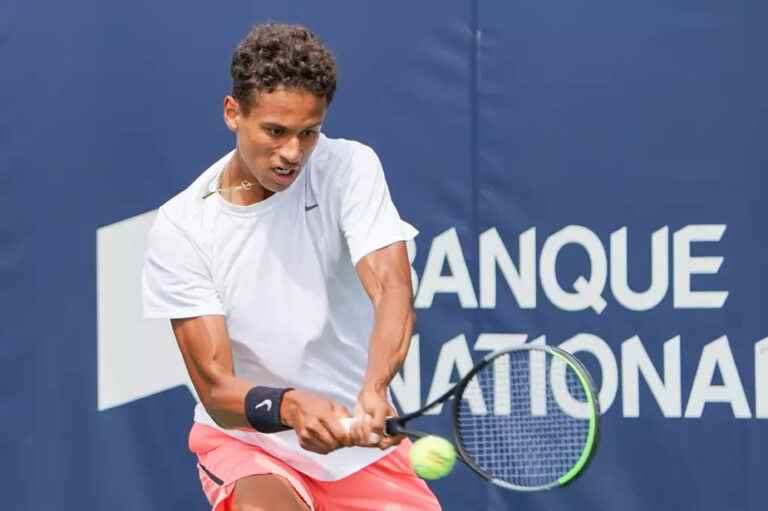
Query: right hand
315,419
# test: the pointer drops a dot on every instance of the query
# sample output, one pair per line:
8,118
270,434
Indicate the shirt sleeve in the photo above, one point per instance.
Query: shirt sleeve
176,281
369,219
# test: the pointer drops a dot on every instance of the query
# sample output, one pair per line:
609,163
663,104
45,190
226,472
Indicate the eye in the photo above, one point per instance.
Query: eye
275,132
309,133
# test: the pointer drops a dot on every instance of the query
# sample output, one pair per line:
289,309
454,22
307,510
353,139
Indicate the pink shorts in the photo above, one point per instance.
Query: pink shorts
387,485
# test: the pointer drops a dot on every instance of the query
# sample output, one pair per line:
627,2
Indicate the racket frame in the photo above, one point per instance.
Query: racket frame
587,383
397,425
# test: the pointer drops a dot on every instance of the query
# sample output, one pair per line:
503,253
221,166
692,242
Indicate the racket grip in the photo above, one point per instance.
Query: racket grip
348,422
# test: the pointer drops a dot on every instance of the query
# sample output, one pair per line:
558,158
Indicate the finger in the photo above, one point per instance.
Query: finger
347,423
341,411
390,441
371,437
335,432
316,447
318,432
349,435
357,432
380,413
351,430
311,444
317,444
360,432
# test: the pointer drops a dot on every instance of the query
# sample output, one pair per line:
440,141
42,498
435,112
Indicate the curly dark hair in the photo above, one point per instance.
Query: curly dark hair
276,55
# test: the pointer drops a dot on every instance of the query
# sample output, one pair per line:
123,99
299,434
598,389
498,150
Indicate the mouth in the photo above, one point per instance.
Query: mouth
284,175
284,171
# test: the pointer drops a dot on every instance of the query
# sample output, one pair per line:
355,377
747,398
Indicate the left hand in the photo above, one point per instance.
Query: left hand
373,408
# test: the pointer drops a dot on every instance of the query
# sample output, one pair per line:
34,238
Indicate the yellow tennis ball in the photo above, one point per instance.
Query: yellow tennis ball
432,457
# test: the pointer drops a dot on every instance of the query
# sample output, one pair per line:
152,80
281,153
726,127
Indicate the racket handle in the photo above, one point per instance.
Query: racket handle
391,427
348,422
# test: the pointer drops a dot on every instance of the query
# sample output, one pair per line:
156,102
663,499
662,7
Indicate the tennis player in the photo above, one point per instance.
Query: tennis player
284,273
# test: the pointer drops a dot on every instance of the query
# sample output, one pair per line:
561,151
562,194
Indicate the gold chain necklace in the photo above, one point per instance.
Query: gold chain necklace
244,185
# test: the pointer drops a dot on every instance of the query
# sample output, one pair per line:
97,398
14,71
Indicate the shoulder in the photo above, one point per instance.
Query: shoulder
187,209
334,151
338,161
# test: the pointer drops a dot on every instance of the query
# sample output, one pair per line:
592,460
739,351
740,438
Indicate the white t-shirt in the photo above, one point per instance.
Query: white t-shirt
282,272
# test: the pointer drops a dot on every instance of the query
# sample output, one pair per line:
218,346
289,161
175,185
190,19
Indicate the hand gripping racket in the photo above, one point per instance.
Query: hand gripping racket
524,419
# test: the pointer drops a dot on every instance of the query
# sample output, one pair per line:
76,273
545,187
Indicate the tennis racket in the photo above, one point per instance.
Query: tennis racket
524,419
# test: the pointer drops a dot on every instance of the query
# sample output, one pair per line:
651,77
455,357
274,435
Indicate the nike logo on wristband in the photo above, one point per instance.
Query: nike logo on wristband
266,402
308,208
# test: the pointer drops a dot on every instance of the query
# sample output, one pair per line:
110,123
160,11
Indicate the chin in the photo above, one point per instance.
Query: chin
277,184
278,187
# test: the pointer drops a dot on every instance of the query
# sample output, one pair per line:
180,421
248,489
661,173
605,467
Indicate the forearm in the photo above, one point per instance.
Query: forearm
390,339
224,401
227,403
204,344
205,347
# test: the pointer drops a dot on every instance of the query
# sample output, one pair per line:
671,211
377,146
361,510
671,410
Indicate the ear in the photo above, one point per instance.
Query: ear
231,113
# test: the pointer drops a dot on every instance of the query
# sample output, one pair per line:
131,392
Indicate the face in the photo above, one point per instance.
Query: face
276,137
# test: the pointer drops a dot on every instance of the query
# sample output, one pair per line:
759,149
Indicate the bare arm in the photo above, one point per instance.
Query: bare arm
205,347
386,277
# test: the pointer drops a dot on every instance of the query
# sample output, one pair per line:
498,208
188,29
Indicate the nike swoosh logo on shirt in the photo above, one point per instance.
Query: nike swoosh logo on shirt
266,402
308,208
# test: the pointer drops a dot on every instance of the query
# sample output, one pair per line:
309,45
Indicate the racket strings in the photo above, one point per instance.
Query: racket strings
535,426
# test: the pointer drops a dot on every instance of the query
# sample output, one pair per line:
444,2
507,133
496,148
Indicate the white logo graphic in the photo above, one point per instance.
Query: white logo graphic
136,357
266,402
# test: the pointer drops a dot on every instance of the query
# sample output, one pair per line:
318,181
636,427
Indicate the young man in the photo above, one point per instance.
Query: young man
284,272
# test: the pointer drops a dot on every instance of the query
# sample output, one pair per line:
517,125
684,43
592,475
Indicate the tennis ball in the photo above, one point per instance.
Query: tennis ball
432,457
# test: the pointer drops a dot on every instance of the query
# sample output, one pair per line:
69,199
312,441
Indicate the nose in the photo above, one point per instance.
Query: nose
290,152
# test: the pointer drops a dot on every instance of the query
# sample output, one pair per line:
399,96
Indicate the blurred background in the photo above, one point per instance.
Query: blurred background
533,143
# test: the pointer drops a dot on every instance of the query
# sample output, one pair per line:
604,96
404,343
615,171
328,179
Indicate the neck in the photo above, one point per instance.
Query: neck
234,174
